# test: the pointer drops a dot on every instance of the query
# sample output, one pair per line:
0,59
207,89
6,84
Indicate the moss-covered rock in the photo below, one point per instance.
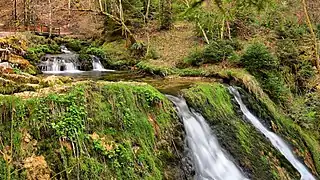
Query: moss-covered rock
250,149
92,131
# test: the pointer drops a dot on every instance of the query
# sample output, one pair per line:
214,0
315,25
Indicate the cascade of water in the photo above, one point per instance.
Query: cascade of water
211,163
65,50
55,65
96,64
275,140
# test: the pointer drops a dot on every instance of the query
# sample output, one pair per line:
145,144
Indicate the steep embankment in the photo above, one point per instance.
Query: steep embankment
92,131
248,147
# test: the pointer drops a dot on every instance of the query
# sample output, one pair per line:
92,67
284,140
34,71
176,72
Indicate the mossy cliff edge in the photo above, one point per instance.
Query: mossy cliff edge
91,131
249,148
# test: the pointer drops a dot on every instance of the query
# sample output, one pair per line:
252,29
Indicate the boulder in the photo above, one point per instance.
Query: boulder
6,68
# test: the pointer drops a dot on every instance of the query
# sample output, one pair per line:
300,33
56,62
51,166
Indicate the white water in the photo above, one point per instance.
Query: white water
55,67
67,63
65,50
211,163
275,140
97,66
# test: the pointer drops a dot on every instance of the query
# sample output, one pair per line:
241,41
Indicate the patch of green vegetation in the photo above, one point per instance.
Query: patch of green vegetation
35,53
238,137
94,130
217,51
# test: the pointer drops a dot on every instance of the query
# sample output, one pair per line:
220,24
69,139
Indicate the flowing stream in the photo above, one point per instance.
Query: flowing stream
211,163
276,141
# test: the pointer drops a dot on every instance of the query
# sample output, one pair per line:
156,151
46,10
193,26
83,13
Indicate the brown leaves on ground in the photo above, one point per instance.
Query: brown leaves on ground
36,168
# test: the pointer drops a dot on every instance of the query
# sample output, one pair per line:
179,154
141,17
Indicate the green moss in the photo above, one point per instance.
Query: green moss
302,139
239,138
94,130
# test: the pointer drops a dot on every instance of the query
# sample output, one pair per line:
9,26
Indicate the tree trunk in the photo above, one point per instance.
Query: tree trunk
147,11
101,7
314,37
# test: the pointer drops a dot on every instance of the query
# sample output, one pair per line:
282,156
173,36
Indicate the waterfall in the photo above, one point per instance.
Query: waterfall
67,62
275,140
96,64
211,163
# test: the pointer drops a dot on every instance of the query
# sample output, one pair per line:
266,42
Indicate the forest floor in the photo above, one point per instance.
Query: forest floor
173,45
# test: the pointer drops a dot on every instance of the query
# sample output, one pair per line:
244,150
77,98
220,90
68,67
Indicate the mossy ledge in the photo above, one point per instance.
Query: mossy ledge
249,148
93,131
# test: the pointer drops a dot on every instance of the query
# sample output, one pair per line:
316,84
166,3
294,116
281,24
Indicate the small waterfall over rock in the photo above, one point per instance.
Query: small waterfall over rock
211,163
275,140
96,64
67,62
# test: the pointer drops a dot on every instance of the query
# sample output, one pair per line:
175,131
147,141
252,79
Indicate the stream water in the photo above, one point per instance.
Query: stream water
275,140
211,162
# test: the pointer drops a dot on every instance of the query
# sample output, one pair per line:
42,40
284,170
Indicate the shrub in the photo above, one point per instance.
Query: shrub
289,54
34,54
258,58
273,83
215,52
318,31
99,52
195,58
75,45
218,51
138,49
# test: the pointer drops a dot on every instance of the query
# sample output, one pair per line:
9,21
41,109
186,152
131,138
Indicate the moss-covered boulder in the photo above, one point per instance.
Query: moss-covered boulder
91,131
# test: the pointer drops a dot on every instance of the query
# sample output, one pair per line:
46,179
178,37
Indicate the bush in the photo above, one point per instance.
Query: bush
215,52
273,83
195,58
218,51
258,58
99,52
75,45
289,54
34,54
138,49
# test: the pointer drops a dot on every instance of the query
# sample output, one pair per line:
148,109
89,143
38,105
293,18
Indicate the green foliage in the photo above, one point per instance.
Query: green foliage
35,53
138,49
238,137
99,52
293,64
257,58
166,18
71,122
86,62
217,51
74,44
130,117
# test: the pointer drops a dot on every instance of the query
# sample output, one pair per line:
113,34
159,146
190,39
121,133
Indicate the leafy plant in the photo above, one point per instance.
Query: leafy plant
258,58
